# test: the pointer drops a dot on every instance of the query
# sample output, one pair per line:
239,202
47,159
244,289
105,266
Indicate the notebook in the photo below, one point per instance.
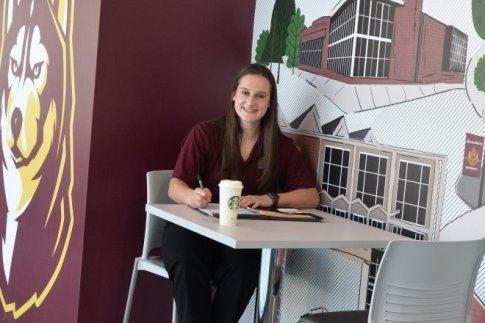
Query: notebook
280,214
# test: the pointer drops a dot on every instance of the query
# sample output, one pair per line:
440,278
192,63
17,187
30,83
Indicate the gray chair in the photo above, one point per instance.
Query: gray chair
419,281
157,192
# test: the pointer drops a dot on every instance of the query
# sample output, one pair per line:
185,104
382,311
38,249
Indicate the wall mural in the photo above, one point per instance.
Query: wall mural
389,99
37,110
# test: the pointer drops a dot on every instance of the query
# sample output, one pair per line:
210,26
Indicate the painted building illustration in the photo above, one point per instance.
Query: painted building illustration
386,187
380,106
368,41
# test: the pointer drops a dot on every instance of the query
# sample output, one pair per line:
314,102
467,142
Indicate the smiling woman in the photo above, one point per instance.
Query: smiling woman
251,100
245,145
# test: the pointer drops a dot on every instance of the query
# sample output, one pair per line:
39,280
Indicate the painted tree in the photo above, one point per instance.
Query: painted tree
294,39
275,48
480,74
478,14
260,46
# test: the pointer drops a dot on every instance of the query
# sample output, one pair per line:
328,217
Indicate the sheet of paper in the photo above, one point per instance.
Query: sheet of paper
262,214
290,210
211,211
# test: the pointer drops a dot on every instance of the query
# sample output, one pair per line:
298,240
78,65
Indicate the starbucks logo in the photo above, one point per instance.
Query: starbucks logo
233,202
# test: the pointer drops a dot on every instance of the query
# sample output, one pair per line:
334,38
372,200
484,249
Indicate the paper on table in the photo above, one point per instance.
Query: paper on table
287,214
291,211
214,212
299,215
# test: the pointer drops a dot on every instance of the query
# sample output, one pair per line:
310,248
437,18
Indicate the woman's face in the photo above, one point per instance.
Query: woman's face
251,98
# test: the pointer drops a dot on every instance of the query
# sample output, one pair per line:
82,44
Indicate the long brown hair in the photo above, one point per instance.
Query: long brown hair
269,132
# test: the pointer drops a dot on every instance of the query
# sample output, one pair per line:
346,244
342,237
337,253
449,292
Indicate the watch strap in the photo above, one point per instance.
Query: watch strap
274,197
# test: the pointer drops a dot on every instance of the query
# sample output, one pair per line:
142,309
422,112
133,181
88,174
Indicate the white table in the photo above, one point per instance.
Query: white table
274,237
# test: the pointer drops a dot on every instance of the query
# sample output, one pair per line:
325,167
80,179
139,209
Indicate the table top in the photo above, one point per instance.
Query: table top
334,232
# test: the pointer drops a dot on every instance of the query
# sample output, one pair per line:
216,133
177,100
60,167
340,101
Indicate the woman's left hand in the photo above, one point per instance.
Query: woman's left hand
255,201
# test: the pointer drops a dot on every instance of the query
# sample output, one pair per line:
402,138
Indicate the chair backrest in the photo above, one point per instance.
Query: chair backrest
157,192
426,281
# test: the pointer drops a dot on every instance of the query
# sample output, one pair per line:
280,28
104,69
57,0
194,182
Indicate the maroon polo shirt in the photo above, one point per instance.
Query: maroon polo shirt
201,155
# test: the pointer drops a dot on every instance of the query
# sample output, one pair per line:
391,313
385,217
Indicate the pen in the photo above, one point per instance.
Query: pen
201,183
253,210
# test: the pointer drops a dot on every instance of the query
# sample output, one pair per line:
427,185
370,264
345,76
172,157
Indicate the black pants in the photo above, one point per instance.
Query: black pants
194,262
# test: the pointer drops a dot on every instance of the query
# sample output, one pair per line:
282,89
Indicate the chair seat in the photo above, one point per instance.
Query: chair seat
155,265
336,317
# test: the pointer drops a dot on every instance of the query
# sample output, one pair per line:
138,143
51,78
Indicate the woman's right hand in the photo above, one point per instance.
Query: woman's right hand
181,193
199,198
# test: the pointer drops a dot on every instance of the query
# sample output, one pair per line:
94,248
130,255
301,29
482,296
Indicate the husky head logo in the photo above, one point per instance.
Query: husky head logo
36,114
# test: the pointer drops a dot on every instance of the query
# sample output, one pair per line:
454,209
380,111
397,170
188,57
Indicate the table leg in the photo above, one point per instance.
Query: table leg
268,297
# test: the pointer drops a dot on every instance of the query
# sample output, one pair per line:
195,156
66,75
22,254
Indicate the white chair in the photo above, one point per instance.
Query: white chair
419,281
157,192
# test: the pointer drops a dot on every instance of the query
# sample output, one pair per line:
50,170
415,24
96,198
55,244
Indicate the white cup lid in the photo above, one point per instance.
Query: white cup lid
226,183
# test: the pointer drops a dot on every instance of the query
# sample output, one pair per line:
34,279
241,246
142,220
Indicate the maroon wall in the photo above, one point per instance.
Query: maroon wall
162,66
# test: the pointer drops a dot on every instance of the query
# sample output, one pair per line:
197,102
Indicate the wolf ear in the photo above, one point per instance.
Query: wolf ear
8,14
62,10
11,4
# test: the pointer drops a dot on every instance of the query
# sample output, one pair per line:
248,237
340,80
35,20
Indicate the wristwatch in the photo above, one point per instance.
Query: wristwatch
274,197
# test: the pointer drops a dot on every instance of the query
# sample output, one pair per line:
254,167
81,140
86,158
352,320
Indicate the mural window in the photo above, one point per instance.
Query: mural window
343,31
375,19
385,50
358,218
387,27
311,52
455,50
340,57
409,233
340,49
413,192
364,7
373,38
372,58
371,179
342,24
371,34
363,25
377,224
386,12
373,27
335,171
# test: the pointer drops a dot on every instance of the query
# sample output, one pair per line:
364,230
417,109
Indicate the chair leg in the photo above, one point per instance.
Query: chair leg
131,292
174,313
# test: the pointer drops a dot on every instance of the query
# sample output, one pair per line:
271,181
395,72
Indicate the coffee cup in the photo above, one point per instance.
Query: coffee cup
229,197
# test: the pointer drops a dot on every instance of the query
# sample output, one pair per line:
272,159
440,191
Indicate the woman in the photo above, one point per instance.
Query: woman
246,145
